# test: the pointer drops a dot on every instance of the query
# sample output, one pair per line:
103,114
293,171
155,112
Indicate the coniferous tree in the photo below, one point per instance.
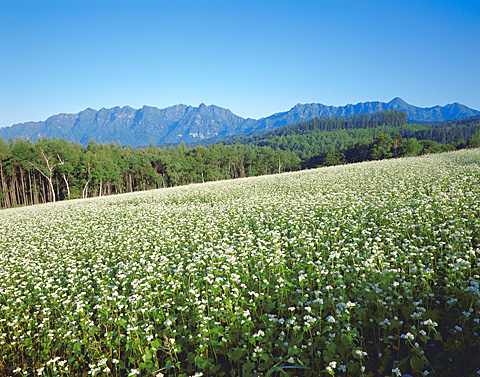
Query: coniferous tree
334,158
412,148
474,141
381,147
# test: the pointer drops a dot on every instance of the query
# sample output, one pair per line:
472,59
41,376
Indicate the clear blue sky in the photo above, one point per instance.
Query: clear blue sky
253,57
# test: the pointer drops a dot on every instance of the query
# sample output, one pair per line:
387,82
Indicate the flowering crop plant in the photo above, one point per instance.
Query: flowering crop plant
368,269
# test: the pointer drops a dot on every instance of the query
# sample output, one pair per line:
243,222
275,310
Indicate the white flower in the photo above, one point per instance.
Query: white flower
360,353
407,336
330,319
429,322
133,372
397,371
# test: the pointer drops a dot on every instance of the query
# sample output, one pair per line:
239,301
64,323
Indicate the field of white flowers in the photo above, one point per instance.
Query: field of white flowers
367,269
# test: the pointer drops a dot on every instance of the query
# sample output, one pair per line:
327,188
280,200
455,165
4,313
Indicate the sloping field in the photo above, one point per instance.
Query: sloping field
366,269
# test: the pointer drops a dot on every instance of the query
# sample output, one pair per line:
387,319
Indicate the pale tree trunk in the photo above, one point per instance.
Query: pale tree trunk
51,188
50,184
49,177
68,186
62,162
85,190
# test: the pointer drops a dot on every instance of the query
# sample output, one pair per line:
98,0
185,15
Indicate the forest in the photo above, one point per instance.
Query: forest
317,137
55,169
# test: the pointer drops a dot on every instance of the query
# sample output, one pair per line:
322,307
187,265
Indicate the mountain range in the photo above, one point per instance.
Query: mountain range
139,127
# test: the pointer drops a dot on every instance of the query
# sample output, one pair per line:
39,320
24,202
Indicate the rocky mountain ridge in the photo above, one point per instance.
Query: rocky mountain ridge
139,127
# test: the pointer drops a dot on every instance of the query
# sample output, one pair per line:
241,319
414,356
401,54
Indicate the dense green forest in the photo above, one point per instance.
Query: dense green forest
55,169
317,137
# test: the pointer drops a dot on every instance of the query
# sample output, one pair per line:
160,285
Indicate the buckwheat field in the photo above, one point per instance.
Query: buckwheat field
369,269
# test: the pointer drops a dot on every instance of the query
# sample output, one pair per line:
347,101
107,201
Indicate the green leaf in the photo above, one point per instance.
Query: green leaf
237,354
147,356
346,339
416,363
331,347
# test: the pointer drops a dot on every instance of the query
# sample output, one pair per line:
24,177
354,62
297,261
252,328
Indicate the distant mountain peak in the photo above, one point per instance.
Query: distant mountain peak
398,101
190,124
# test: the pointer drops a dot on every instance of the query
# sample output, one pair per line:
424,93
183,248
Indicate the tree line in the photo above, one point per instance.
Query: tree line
388,146
55,169
319,136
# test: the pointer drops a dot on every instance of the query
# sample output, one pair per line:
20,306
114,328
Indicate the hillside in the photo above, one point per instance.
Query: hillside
181,123
318,136
369,267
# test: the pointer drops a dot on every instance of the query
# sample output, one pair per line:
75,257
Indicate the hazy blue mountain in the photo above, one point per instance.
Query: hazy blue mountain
414,114
192,124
